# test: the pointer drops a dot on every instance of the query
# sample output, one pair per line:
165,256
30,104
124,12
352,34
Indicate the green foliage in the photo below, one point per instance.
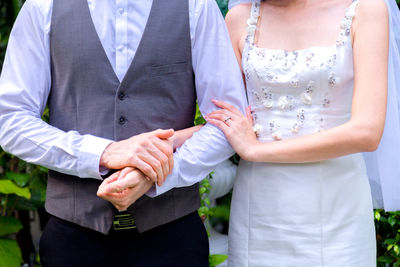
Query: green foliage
8,12
9,225
10,254
198,118
205,209
7,187
387,226
217,259
223,6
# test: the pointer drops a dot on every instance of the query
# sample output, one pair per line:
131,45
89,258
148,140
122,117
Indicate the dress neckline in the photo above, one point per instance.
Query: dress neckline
345,30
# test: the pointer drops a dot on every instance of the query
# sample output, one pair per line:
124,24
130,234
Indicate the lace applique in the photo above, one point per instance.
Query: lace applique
304,97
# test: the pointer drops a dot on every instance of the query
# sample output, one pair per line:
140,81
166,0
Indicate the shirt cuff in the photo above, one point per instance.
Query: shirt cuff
89,161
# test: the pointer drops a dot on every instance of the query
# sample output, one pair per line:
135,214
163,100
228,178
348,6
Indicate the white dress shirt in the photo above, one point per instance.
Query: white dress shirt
25,84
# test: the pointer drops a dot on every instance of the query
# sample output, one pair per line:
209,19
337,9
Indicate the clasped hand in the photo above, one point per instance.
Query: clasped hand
124,187
151,153
142,161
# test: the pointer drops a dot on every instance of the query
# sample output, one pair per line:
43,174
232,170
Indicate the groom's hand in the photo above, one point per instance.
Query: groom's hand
151,153
124,187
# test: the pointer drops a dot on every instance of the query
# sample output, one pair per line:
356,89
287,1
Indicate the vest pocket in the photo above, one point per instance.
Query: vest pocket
168,69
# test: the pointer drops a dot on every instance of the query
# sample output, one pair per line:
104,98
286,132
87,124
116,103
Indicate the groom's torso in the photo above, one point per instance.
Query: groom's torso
91,95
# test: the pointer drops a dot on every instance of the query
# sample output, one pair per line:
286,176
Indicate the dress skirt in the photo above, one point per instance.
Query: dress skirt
309,214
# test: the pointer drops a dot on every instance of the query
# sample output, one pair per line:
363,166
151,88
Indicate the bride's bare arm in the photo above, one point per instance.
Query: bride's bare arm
236,24
181,136
361,133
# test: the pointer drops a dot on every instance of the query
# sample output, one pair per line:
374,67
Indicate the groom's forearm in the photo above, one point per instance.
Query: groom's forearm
198,156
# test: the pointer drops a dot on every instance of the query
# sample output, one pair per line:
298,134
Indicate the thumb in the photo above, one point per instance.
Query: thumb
164,134
248,114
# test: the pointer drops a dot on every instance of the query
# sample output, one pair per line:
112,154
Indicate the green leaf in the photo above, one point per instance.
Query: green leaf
8,187
222,212
396,249
37,187
202,190
389,241
203,210
9,225
385,259
198,118
216,259
10,254
392,221
21,179
377,215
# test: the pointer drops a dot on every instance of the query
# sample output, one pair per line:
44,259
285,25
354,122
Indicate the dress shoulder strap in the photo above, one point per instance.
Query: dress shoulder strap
347,21
252,21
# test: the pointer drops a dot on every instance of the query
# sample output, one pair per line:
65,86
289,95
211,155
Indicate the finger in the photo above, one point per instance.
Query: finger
248,114
118,186
131,180
159,161
147,170
112,177
227,106
125,171
221,125
221,118
101,190
103,193
226,113
113,188
163,159
164,134
171,163
166,147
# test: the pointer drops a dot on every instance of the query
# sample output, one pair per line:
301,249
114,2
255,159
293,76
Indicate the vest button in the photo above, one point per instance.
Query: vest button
122,120
121,96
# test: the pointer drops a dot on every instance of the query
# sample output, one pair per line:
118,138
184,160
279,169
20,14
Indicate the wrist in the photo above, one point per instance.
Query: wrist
251,152
104,159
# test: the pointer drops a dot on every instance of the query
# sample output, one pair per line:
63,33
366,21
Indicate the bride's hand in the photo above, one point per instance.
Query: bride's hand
237,128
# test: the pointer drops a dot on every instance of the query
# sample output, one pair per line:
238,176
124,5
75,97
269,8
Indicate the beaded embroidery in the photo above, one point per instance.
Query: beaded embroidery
275,67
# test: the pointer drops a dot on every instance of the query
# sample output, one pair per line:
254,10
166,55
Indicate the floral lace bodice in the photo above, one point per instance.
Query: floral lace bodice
294,93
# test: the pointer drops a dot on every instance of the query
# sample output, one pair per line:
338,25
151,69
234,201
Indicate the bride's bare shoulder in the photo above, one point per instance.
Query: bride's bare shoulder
372,9
238,15
372,17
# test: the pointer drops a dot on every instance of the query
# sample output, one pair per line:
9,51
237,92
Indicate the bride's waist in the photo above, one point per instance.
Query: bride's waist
352,163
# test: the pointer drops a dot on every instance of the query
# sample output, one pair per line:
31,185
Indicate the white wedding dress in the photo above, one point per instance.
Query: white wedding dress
309,214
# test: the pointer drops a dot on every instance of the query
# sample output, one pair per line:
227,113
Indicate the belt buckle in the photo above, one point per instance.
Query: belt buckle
123,221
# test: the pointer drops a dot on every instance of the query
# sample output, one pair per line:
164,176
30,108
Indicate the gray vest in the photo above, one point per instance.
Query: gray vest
158,91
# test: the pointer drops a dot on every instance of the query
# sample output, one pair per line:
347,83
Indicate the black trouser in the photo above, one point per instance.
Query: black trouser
183,242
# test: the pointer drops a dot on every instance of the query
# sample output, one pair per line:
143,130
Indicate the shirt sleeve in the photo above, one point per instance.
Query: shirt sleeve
217,76
25,84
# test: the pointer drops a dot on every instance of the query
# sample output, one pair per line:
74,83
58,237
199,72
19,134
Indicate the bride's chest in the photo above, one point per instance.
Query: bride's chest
315,77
